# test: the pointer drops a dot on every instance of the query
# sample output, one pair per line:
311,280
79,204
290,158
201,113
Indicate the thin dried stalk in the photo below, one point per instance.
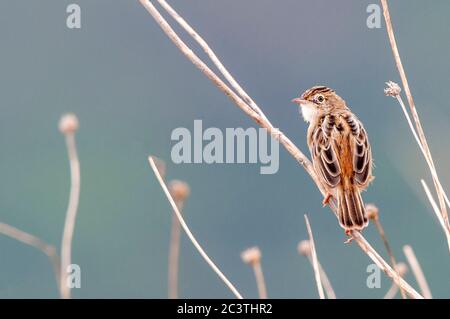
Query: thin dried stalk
417,271
420,133
188,232
69,226
35,242
174,253
436,210
234,84
252,257
304,249
380,230
260,282
315,262
402,270
274,132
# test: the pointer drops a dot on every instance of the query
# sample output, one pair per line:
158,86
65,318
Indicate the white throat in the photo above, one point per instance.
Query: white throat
309,112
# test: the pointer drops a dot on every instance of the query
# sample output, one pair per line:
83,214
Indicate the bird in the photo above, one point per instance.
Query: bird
340,151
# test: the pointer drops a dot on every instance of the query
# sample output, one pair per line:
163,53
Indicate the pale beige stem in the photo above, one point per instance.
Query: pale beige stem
188,232
436,211
429,161
423,141
315,262
274,132
33,241
417,271
174,253
260,282
227,75
388,249
390,294
69,226
327,287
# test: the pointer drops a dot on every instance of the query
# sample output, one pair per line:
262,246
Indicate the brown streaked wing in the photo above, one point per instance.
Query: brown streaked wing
325,161
362,158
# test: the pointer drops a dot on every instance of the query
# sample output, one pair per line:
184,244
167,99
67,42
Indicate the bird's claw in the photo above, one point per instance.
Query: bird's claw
326,200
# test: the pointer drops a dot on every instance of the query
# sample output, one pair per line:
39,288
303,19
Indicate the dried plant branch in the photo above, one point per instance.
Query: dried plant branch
275,133
234,84
315,261
436,210
417,271
402,270
420,136
179,191
188,232
372,214
68,126
35,242
174,253
304,248
394,90
252,257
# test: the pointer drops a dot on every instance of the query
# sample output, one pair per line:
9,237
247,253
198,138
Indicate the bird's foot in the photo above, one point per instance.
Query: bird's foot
326,200
350,238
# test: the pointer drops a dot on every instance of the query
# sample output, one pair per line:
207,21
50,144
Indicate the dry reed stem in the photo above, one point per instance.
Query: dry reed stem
227,75
373,214
35,242
402,270
315,262
69,226
304,250
417,271
275,133
252,257
436,209
260,282
188,232
174,253
423,141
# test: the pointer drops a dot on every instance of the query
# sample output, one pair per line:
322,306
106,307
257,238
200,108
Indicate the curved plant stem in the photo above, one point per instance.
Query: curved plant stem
69,226
188,232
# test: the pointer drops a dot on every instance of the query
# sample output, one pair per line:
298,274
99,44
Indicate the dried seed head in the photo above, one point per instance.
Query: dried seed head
251,255
372,211
179,190
402,269
392,89
304,248
68,123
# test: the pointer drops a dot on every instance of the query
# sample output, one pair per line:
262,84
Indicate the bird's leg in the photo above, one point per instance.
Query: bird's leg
350,238
326,199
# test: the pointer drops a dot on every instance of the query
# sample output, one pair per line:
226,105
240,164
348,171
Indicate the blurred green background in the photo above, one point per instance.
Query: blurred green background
130,87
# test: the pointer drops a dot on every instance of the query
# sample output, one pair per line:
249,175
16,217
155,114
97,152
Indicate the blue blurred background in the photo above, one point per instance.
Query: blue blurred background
130,87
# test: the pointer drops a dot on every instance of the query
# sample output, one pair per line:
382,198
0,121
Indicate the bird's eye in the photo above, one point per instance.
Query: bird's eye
319,98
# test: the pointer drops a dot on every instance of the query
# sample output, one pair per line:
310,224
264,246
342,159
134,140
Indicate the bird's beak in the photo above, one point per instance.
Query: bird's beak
299,101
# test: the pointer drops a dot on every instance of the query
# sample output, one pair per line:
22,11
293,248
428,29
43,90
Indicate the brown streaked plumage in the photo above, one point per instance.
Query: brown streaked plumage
340,151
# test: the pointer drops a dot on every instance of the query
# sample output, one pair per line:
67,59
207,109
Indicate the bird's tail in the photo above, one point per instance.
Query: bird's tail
351,211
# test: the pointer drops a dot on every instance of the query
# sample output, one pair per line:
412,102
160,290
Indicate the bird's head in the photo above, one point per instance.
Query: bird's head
317,101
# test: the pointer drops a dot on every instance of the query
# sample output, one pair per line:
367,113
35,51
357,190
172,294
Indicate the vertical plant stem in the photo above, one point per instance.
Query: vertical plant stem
188,232
417,271
174,253
388,249
314,260
69,226
260,282
439,189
